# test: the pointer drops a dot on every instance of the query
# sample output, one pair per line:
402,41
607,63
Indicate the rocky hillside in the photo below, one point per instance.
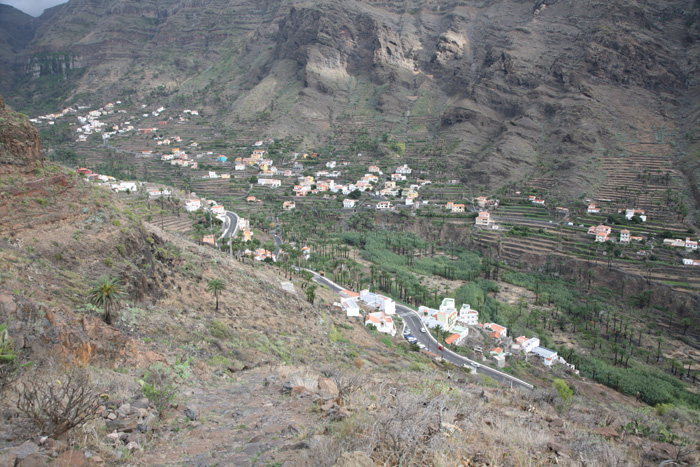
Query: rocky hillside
509,90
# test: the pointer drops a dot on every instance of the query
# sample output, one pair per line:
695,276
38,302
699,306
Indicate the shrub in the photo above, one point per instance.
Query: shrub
563,389
157,387
219,330
56,405
9,361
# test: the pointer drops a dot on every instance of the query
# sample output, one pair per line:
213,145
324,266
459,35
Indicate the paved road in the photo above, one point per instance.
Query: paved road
230,225
413,323
278,242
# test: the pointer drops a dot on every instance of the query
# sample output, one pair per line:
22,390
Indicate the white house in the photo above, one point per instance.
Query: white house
124,186
676,242
192,205
447,314
530,344
548,356
403,170
331,164
691,244
630,213
484,218
468,316
239,166
381,302
218,210
691,262
592,209
624,236
501,330
457,208
288,205
349,203
212,174
382,322
384,206
601,232
271,182
350,306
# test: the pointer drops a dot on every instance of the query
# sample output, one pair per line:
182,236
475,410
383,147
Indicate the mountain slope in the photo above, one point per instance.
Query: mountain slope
512,90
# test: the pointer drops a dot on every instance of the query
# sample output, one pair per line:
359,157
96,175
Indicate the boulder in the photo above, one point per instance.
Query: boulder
7,305
327,386
25,450
127,426
71,459
32,460
124,411
192,413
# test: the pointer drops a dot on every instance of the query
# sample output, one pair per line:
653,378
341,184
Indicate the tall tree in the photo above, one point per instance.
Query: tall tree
107,294
215,287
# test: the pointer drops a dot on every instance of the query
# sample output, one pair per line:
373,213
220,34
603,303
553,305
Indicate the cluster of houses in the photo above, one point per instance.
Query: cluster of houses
409,195
603,233
484,219
629,213
181,159
448,318
310,185
381,319
535,200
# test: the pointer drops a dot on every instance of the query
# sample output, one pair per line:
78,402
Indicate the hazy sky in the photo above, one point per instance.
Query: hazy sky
32,7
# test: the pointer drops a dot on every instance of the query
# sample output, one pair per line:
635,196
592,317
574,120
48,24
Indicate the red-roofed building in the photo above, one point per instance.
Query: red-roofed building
499,329
452,339
382,322
349,293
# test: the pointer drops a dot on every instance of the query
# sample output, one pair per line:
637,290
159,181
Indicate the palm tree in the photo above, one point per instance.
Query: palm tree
107,294
216,286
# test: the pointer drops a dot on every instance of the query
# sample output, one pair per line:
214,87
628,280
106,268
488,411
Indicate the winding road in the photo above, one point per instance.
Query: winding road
230,225
413,323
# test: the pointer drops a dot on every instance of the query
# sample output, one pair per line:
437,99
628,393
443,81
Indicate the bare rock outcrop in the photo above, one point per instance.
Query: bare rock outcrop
20,147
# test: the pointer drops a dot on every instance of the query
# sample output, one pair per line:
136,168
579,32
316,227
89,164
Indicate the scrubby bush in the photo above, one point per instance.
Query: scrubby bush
56,405
158,388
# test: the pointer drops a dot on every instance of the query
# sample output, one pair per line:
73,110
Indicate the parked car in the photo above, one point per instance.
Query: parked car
422,329
474,364
422,346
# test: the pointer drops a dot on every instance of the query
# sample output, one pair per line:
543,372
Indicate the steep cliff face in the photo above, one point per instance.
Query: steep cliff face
20,148
17,30
514,88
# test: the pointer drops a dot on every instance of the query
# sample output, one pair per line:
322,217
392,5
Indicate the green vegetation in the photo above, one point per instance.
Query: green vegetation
107,294
650,385
215,287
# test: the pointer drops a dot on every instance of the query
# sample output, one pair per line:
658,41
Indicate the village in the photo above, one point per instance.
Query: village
267,181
